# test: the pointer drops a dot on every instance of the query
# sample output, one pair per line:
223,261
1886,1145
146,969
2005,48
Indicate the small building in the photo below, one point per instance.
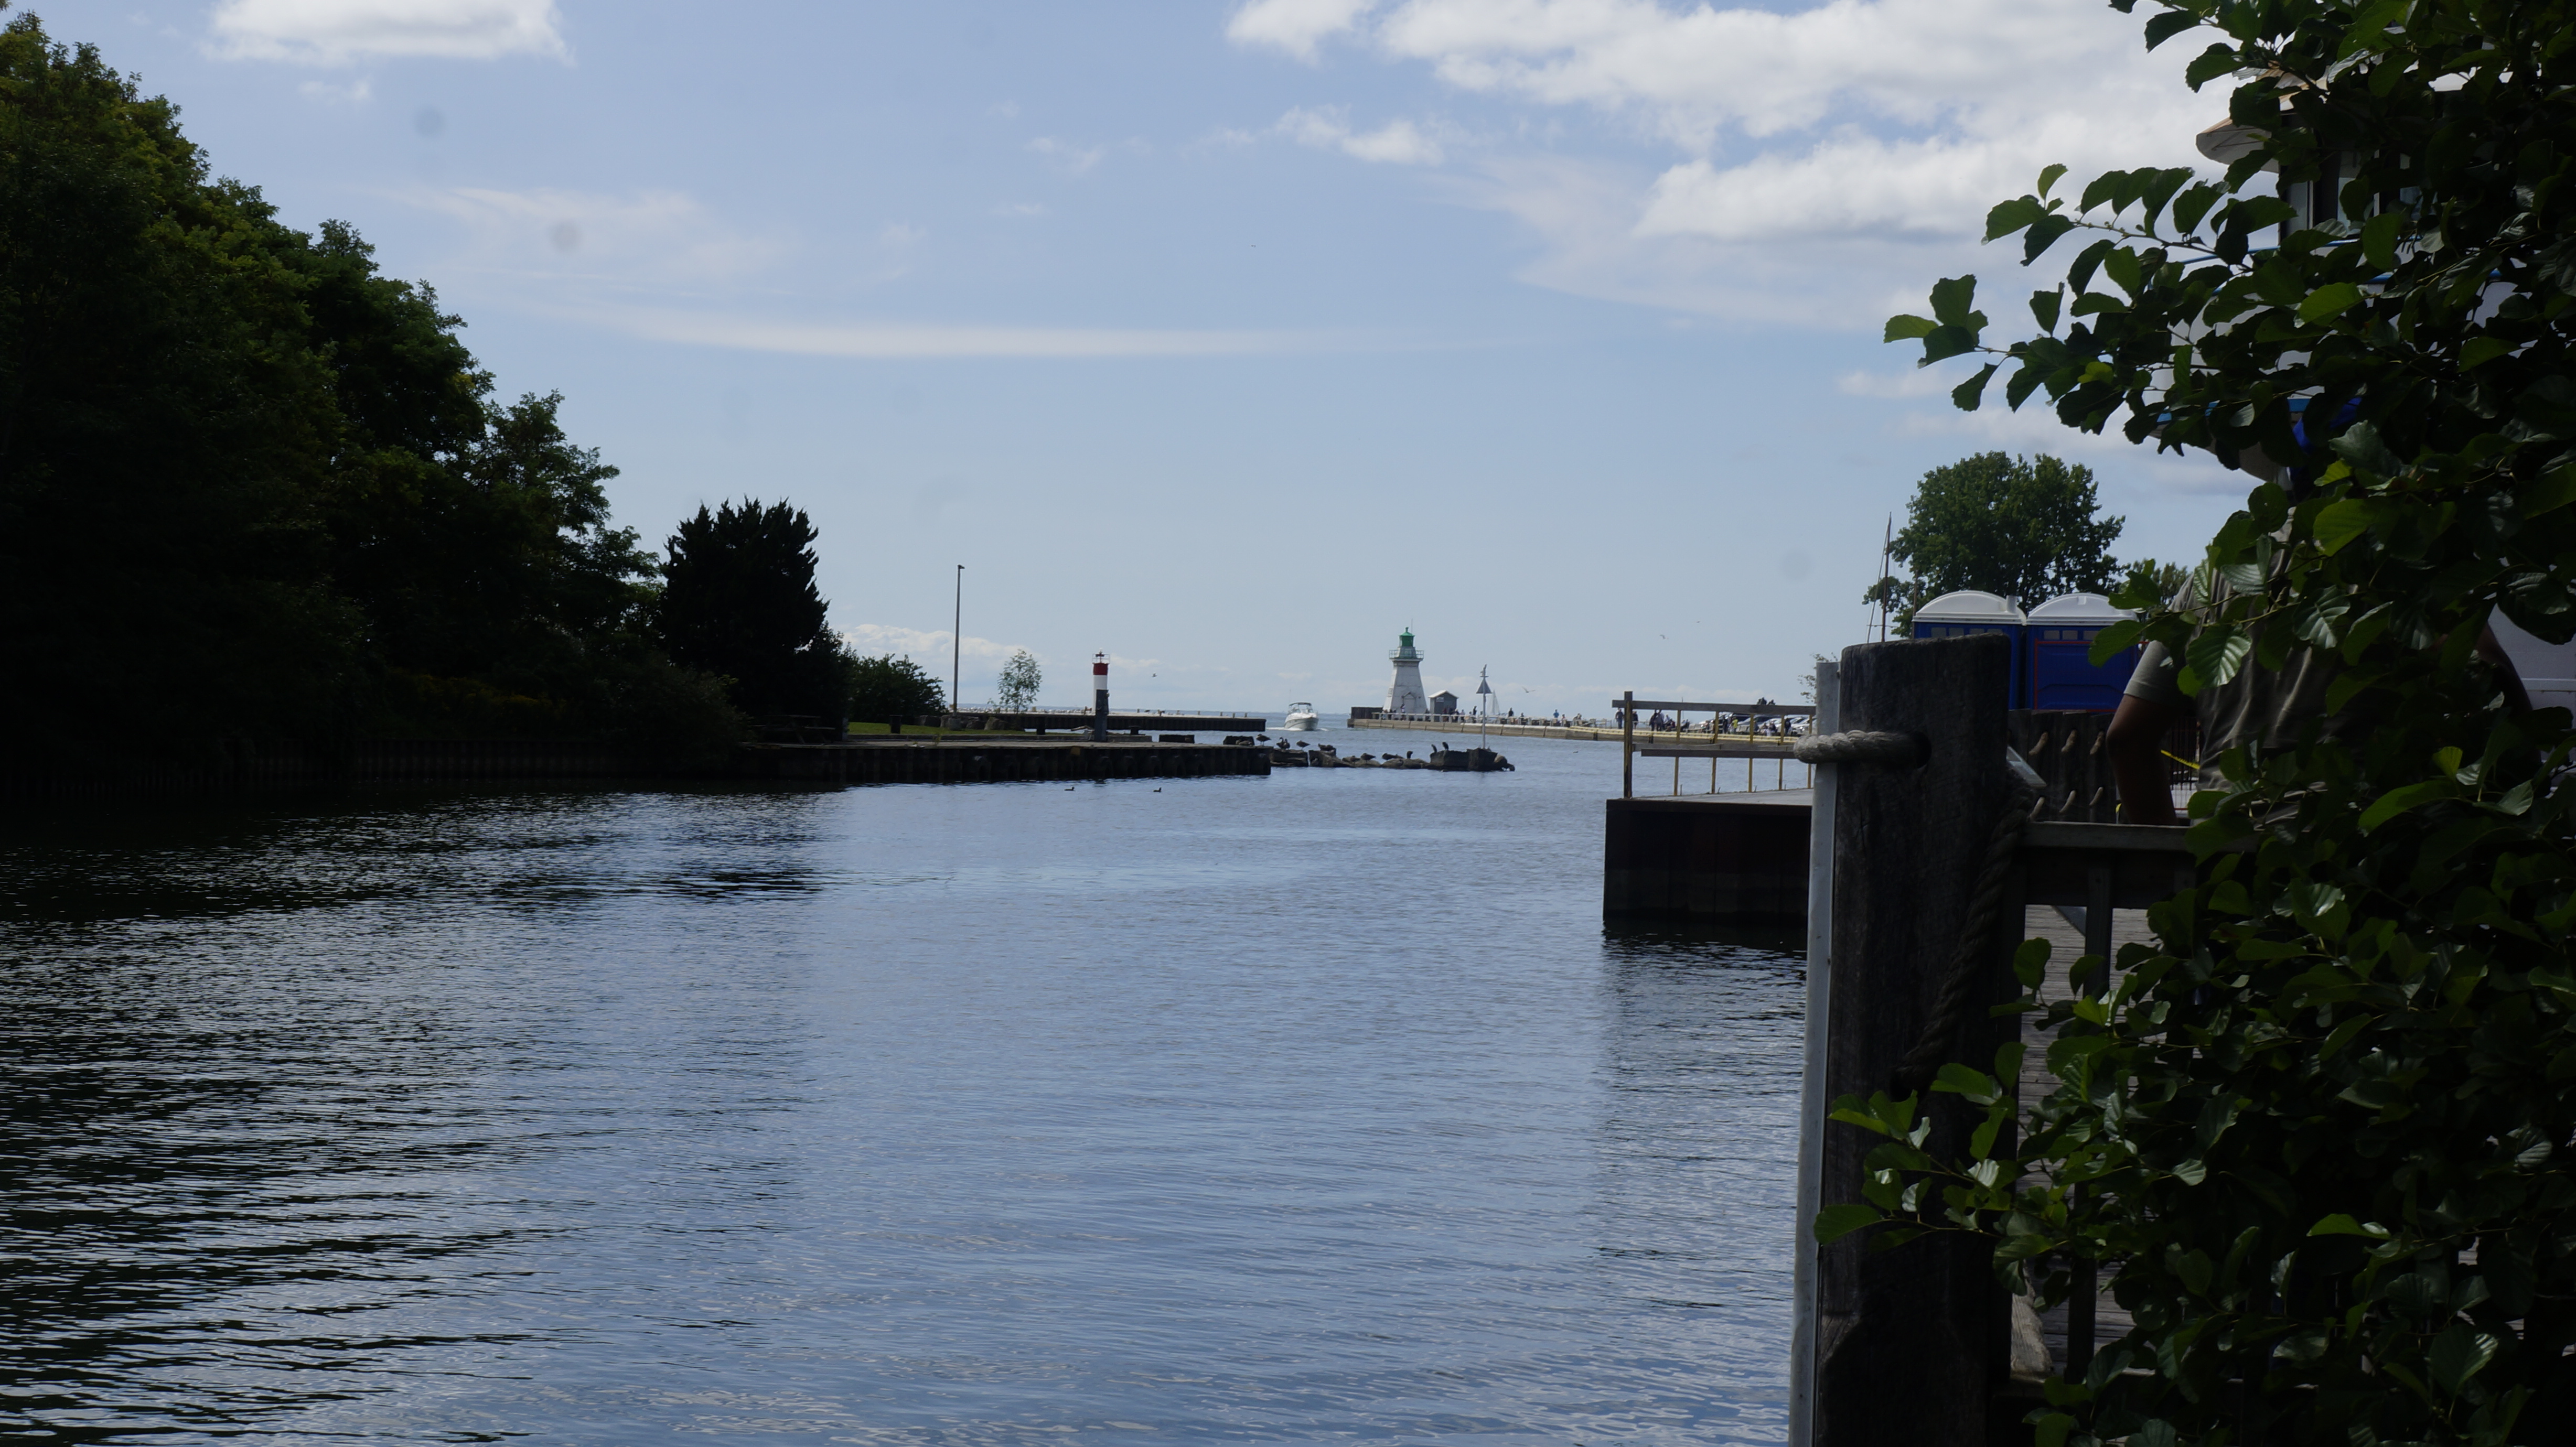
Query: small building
1444,702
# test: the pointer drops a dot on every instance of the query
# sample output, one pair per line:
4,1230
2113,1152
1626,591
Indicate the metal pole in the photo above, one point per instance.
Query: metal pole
957,643
1811,1088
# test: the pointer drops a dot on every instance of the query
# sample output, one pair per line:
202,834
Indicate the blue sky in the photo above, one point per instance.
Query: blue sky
1230,339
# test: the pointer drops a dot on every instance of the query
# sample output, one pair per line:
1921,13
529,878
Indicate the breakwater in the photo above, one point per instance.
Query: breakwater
1535,729
229,767
992,761
1450,761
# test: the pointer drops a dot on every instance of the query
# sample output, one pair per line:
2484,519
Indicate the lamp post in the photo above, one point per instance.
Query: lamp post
957,641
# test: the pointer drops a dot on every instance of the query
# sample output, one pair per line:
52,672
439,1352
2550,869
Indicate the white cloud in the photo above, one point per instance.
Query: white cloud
1869,136
1918,382
650,239
1399,142
872,639
337,32
1295,26
868,339
1074,159
356,92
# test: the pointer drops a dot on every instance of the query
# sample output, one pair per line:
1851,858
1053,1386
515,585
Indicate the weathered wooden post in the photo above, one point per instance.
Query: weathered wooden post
1628,745
1908,1345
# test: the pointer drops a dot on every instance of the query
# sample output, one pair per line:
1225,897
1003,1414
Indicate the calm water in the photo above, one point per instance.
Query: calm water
1316,1107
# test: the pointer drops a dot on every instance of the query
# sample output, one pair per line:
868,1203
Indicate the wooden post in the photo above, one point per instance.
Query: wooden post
1628,745
1909,1345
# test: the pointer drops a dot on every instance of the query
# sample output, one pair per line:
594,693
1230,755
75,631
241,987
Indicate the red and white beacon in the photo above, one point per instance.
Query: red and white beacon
1099,697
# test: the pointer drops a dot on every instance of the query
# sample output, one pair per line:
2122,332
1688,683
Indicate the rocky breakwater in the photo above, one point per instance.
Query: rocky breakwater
1287,755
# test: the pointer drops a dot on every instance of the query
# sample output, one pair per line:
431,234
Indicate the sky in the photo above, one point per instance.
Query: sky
1231,339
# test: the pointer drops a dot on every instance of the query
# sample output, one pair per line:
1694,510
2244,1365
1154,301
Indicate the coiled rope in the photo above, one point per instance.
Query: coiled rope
1861,746
1973,959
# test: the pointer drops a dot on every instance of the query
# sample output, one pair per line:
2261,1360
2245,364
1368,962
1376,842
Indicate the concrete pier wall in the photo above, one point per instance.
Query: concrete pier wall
1707,859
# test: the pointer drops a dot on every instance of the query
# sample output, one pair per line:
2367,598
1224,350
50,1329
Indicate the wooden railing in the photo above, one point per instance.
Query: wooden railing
1627,704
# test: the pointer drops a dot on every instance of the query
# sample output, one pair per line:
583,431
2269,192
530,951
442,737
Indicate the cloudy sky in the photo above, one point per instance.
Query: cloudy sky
1230,339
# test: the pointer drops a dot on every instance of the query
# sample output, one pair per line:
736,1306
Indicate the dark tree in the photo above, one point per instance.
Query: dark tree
738,599
887,689
2017,527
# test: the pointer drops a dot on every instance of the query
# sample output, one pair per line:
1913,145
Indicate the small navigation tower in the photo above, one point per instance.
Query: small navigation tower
1405,694
1484,695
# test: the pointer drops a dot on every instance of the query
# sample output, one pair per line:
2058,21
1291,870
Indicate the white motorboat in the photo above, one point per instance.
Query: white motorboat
1300,720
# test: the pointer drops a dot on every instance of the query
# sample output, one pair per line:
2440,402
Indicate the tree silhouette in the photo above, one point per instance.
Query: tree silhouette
738,599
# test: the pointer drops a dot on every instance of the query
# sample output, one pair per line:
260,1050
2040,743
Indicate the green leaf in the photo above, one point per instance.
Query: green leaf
2043,235
1952,297
2398,800
2030,963
2379,239
2552,491
2342,1036
2343,1225
2482,350
1945,343
2342,521
2329,301
2111,642
2192,205
2162,28
2010,216
1969,393
2459,1353
2043,307
1906,329
1976,1085
2362,447
2216,654
2049,177
1835,1222
2210,64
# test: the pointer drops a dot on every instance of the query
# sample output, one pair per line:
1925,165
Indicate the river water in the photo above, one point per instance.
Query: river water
1310,1108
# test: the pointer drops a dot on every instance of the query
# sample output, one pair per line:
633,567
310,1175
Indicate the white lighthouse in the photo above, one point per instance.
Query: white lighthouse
1405,694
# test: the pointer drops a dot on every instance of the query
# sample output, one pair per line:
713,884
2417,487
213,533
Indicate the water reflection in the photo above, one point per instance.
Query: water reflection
917,1115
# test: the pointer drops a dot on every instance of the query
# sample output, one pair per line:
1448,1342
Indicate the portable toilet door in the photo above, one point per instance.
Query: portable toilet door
2547,670
1955,615
2062,672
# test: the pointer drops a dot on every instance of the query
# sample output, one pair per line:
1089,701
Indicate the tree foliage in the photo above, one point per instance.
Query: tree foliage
739,599
247,480
1018,685
887,689
2016,527
2320,1130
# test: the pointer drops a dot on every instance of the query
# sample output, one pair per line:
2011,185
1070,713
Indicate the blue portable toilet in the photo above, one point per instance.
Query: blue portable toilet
1955,615
2062,673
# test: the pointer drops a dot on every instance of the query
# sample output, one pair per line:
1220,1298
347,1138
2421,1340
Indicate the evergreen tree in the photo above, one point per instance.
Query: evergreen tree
739,599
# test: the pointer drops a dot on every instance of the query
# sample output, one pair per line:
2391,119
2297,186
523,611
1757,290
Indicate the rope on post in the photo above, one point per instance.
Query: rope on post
1861,746
1973,958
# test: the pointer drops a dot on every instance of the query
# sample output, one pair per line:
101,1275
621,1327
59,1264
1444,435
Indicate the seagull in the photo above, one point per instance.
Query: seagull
1068,788
1158,791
